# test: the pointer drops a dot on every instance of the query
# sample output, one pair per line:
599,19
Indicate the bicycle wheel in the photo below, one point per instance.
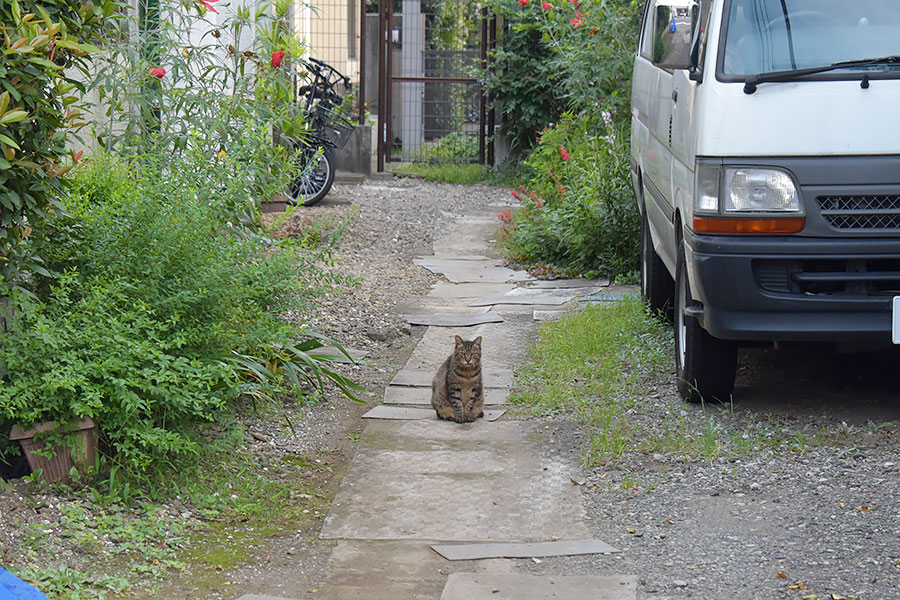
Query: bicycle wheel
315,179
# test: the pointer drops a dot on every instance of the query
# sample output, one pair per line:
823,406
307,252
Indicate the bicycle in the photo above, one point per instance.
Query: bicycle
328,131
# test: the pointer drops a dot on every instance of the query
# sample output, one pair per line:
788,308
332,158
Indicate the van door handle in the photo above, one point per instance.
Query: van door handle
674,95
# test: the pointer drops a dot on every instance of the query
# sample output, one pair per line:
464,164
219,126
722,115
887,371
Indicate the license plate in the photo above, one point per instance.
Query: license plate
895,321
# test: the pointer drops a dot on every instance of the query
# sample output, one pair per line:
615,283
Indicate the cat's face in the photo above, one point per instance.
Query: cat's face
468,353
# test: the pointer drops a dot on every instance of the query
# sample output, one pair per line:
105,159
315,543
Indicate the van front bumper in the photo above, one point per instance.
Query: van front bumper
792,288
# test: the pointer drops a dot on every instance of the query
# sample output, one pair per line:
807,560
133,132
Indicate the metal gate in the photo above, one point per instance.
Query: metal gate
431,106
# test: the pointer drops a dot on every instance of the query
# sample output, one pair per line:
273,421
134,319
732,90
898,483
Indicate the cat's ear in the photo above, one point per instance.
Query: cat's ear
459,341
477,341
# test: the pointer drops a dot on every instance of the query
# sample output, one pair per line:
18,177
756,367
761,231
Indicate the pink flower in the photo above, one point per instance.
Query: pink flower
523,2
277,57
578,20
209,4
546,6
158,72
564,154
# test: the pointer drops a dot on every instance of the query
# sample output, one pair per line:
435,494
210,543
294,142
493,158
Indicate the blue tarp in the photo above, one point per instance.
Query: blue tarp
13,588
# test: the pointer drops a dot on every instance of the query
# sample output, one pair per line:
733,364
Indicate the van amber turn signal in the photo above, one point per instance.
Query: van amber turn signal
749,225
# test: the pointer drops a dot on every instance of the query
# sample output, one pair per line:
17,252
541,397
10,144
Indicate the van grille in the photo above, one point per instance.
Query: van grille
829,277
861,212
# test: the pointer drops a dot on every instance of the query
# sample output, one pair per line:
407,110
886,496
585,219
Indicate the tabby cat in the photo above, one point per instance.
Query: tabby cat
456,390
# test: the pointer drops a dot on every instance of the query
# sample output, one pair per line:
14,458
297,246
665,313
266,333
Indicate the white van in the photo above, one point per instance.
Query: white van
765,158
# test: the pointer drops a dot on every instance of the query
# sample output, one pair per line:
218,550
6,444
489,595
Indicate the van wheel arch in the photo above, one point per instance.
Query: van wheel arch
705,366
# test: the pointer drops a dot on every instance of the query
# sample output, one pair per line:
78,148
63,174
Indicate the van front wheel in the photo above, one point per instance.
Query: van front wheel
704,365
657,288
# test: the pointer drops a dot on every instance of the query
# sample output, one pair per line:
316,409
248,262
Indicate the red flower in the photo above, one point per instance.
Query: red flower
523,2
594,31
546,6
209,4
277,57
564,153
158,72
578,20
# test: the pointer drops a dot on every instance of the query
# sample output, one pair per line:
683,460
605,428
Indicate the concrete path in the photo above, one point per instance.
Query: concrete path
493,484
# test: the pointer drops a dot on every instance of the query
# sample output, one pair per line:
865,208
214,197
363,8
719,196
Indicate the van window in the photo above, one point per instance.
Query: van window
780,35
647,33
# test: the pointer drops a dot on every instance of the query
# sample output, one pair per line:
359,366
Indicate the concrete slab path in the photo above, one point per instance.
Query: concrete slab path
417,481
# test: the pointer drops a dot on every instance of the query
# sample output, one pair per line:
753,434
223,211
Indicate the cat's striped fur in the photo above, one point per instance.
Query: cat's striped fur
456,390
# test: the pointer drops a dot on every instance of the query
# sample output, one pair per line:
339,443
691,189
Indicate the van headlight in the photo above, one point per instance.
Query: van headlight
745,200
759,190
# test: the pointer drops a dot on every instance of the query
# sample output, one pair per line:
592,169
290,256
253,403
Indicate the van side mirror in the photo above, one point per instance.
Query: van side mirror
674,33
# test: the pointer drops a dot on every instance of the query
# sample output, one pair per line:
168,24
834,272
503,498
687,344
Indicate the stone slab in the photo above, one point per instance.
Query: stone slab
421,396
445,306
445,289
405,413
466,236
525,300
607,296
613,293
484,586
406,474
394,570
491,378
504,345
548,315
453,320
565,284
471,271
560,548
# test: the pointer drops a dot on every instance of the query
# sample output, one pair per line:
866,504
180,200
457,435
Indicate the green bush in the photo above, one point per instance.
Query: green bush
152,324
44,55
556,56
577,211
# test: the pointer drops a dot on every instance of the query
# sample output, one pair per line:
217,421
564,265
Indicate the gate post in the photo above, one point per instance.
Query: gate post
383,53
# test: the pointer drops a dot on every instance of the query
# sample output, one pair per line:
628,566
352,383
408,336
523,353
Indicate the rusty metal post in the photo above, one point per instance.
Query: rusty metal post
482,100
361,91
382,73
492,46
389,82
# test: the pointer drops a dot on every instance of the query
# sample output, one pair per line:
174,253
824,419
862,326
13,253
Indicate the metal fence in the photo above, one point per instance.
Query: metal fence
430,104
335,33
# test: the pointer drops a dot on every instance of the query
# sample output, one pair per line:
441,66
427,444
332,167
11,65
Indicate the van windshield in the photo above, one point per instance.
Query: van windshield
783,35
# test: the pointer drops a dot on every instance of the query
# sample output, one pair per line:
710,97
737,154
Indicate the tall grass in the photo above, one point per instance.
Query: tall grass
593,364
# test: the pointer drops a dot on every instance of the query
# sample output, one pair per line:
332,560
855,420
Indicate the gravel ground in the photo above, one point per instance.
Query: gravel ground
816,518
389,222
813,515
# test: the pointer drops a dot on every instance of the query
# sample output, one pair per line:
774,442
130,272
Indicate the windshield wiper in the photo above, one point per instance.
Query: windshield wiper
753,81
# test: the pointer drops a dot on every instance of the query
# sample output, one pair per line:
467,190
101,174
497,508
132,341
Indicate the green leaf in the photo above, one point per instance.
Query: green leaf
45,63
9,142
13,116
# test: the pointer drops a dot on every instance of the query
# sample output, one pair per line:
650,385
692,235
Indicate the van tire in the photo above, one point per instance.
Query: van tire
657,287
704,365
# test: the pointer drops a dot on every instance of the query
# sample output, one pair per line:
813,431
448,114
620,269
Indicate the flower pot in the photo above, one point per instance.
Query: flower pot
79,451
276,204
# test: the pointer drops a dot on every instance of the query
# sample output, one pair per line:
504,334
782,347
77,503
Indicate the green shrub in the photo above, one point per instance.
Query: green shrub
456,145
157,295
577,211
44,54
569,56
523,84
